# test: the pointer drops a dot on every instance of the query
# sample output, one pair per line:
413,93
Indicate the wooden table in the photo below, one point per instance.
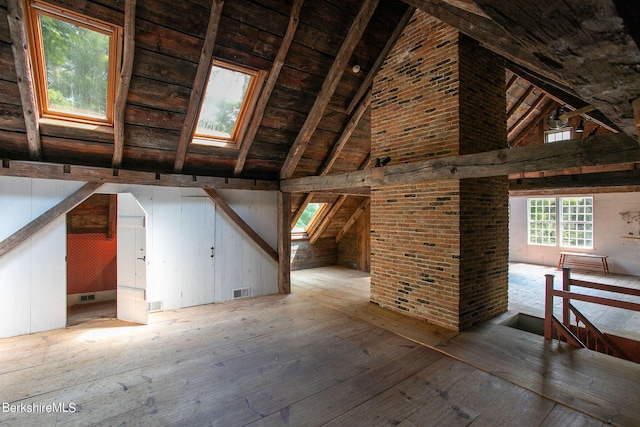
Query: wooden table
583,263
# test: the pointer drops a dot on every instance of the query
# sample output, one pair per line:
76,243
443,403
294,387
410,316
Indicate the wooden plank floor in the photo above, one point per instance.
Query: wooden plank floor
321,356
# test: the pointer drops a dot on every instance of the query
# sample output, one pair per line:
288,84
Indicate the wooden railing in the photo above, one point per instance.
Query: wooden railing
583,333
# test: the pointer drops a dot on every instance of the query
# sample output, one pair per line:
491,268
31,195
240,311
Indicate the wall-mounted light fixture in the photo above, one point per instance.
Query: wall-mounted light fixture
580,127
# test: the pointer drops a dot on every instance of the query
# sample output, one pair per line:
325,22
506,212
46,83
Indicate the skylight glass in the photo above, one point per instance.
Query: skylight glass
225,102
74,59
308,217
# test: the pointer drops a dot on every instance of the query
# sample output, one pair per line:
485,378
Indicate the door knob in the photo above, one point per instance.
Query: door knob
144,258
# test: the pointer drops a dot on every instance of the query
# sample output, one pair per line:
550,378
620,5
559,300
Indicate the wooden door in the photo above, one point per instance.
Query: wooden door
197,250
132,261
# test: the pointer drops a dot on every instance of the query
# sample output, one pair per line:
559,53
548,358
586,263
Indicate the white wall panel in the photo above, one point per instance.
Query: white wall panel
611,234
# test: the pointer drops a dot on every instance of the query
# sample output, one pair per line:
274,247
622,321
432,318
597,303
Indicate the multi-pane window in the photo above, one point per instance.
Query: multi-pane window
557,135
577,222
75,61
542,221
225,105
569,217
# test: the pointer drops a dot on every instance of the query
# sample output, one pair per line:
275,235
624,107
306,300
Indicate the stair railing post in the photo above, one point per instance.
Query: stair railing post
566,286
548,307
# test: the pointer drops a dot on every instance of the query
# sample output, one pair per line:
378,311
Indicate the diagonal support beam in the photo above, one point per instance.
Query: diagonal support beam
329,86
124,81
326,219
15,16
246,228
46,218
204,65
352,220
346,134
278,63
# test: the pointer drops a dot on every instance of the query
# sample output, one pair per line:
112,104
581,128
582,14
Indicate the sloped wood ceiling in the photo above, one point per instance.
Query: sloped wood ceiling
577,53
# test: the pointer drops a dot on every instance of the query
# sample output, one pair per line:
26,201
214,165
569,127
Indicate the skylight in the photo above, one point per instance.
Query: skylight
225,104
308,217
74,64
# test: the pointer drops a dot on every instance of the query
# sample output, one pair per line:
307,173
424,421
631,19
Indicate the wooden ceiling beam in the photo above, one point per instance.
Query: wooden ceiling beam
296,216
592,182
326,220
526,116
346,134
354,217
391,41
520,101
636,112
199,85
124,80
246,228
121,176
561,94
329,86
591,151
46,218
514,78
278,63
15,16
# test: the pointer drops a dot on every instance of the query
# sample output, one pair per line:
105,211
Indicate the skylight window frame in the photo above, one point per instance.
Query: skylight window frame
245,113
35,8
312,225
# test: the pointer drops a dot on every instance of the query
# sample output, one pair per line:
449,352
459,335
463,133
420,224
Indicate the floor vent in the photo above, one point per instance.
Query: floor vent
87,298
241,293
154,306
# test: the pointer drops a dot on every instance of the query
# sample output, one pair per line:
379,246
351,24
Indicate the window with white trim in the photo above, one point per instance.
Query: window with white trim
557,135
571,218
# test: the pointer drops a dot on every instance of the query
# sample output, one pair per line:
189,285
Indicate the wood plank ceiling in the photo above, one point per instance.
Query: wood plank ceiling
313,115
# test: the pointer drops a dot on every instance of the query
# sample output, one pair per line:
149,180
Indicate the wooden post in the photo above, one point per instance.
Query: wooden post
548,307
566,286
284,243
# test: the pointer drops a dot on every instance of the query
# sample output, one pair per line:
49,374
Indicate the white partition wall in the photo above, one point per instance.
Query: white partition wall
33,275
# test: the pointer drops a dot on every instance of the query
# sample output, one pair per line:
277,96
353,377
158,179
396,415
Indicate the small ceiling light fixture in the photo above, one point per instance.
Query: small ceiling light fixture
355,69
580,127
554,121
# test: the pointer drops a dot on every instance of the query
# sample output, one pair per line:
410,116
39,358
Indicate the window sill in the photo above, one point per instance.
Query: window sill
77,125
206,142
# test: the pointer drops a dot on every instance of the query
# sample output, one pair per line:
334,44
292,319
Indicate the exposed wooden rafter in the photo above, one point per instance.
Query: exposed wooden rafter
328,87
112,216
120,176
124,80
326,219
15,16
278,63
296,216
354,217
246,228
346,134
520,101
514,78
595,150
526,116
46,218
199,84
366,83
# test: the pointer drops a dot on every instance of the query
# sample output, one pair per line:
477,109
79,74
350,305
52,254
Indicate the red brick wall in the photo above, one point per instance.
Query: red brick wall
434,98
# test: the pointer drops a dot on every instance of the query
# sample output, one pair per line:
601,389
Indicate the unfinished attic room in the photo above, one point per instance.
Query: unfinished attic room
320,212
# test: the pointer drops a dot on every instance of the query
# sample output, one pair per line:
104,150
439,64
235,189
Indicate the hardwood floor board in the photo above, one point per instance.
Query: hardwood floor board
565,417
461,403
332,367
399,402
578,378
322,407
186,374
516,407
